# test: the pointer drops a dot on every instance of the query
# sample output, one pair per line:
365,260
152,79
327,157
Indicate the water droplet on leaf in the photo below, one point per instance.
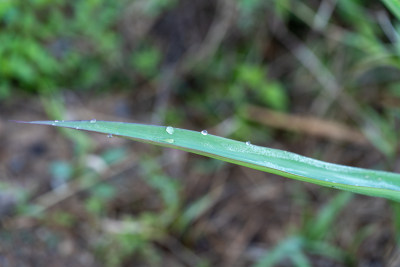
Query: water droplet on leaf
109,136
93,121
56,121
204,132
248,143
170,129
170,141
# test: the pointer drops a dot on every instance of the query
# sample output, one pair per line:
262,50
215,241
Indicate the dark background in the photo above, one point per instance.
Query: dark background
319,78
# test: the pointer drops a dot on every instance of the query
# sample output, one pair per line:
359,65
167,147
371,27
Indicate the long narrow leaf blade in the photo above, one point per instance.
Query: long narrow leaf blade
287,164
393,6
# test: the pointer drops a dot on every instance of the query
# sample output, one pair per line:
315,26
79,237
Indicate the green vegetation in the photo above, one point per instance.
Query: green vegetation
369,182
311,238
284,74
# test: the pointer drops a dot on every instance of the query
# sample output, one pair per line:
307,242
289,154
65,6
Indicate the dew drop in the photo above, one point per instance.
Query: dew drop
93,121
204,132
170,129
56,121
53,124
248,143
77,128
109,136
170,141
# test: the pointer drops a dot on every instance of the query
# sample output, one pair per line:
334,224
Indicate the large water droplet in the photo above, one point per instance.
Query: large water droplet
93,121
204,132
248,143
170,129
109,135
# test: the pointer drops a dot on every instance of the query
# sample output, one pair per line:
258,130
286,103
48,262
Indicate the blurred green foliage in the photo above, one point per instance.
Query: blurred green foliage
269,93
313,237
393,6
136,234
146,61
46,46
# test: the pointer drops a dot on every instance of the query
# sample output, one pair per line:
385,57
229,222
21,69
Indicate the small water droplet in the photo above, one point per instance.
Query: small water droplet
204,132
109,136
53,124
248,143
56,121
77,128
170,141
93,121
170,129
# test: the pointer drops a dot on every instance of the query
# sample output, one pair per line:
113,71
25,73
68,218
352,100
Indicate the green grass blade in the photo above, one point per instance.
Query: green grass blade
283,250
393,6
287,164
322,225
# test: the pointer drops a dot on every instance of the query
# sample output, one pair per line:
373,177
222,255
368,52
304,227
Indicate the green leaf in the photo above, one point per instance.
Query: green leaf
287,164
323,223
146,61
393,6
289,247
195,210
274,95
